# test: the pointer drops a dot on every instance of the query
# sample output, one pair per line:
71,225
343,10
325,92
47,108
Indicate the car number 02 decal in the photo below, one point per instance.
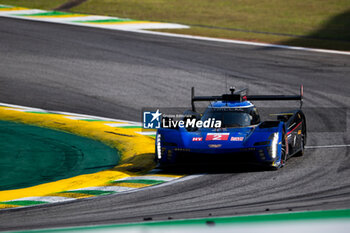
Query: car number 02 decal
217,136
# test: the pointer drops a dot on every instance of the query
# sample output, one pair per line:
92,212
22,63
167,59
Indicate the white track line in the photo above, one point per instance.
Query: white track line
22,107
84,18
91,116
160,178
122,125
178,180
106,188
147,133
50,199
22,12
120,27
243,42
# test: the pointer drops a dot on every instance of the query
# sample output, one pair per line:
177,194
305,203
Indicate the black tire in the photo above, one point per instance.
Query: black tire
302,148
302,143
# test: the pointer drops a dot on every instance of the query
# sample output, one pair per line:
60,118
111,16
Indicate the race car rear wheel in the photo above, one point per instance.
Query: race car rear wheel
302,142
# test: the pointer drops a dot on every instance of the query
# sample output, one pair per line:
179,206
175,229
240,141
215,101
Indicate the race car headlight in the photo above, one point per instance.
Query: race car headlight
159,147
273,148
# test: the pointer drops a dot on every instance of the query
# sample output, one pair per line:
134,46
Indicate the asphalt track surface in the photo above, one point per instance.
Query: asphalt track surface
115,74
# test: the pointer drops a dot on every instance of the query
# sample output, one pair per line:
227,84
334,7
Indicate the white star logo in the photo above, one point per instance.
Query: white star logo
156,115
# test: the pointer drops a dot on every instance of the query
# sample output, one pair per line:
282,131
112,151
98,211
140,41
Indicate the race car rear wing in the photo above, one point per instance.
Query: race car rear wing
241,95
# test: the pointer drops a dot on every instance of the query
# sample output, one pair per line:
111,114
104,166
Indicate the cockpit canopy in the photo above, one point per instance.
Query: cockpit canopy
233,117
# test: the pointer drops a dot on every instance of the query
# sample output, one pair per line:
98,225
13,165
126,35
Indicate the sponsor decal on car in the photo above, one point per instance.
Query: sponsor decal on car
217,136
197,139
214,145
237,139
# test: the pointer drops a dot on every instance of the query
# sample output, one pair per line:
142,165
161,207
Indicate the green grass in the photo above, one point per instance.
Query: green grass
322,20
312,23
39,4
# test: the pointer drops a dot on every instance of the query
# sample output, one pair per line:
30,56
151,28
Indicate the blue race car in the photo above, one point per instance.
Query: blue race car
239,138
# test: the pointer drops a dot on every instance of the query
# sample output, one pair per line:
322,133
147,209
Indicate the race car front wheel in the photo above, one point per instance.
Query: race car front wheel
283,152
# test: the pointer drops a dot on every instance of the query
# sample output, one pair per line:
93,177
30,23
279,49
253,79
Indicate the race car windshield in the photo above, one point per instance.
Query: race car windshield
233,117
